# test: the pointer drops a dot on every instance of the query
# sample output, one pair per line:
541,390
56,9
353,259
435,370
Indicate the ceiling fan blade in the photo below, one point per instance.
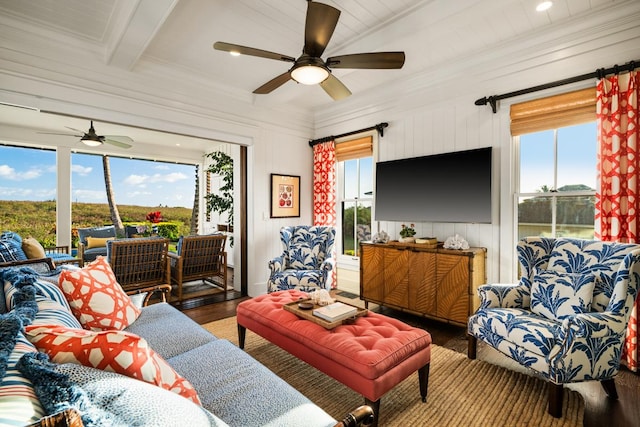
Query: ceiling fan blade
335,88
64,134
76,130
376,60
119,142
273,84
244,50
319,26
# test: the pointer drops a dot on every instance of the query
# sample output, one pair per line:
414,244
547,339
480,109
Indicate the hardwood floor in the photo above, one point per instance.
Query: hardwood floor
599,410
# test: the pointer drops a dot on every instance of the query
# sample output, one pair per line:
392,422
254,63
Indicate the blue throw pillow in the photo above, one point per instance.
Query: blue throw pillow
11,250
557,295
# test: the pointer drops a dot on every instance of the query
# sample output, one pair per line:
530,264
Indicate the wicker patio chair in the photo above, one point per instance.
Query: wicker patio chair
199,258
139,263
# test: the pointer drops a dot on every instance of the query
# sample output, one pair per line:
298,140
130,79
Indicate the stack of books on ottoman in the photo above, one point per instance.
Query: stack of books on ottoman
336,311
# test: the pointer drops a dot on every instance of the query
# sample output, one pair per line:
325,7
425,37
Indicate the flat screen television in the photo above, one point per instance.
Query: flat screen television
449,187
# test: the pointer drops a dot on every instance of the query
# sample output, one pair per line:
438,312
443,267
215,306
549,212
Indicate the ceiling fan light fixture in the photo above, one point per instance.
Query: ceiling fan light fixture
91,142
309,74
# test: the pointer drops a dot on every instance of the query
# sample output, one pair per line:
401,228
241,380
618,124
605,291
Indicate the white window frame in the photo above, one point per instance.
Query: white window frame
351,262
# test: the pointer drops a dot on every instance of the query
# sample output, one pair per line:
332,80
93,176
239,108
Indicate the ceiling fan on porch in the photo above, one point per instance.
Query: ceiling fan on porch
309,68
92,139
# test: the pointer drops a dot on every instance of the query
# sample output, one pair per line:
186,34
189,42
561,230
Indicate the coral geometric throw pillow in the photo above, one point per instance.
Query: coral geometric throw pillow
96,298
115,351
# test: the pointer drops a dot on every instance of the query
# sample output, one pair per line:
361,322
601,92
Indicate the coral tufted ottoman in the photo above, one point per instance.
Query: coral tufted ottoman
370,356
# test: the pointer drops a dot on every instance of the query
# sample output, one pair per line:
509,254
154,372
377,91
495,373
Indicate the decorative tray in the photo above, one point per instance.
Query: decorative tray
308,313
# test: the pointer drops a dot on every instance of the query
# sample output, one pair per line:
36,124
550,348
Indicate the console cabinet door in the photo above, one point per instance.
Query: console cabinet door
452,277
371,273
396,276
422,283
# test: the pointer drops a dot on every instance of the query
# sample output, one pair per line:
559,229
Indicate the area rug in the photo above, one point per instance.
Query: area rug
461,392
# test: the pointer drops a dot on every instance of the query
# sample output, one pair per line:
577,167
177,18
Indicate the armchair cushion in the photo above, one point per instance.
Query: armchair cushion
96,298
557,295
108,231
303,257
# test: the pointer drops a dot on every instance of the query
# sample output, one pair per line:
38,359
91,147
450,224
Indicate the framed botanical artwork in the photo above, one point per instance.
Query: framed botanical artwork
285,196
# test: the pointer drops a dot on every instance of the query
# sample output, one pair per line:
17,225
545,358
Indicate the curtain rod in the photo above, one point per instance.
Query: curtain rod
379,127
599,74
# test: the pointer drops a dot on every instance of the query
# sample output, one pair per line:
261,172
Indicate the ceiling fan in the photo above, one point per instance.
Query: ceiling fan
309,68
92,139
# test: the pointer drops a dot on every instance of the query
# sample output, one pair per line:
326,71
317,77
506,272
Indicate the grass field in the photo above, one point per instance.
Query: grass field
38,219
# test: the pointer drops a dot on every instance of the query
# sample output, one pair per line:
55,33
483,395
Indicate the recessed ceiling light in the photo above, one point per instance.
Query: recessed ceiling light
545,5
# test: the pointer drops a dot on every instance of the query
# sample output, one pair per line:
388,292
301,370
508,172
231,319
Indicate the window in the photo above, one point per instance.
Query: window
556,143
557,181
355,194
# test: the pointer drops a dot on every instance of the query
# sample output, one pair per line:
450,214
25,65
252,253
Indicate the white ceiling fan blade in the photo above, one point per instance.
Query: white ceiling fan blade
118,141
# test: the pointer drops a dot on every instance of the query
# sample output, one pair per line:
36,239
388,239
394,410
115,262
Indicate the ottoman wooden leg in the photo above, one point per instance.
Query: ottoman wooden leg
423,377
242,333
376,410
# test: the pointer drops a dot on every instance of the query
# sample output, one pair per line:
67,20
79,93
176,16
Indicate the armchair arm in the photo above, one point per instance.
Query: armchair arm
81,253
174,259
595,325
277,264
362,415
164,289
504,296
325,268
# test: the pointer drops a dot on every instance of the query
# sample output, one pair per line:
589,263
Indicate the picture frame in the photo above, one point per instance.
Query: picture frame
285,196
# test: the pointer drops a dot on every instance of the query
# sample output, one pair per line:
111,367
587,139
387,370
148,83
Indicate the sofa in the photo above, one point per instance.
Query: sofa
144,365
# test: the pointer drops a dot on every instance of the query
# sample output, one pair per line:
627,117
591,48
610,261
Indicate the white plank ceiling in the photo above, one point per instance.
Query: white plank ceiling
146,36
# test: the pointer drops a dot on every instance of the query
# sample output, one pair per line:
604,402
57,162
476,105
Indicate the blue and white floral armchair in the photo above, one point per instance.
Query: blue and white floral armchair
306,263
567,318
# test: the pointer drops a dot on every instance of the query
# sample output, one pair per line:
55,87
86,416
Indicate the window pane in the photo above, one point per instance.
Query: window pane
575,217
348,224
536,162
351,179
577,157
366,177
534,217
28,180
364,224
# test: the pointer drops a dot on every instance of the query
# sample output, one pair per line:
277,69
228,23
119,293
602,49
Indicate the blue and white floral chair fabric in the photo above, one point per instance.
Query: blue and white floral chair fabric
306,262
567,317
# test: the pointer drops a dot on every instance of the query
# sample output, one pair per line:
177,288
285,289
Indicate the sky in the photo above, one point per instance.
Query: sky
576,158
30,174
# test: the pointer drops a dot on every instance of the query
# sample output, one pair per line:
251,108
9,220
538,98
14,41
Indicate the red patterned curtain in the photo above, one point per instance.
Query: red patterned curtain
324,189
617,199
324,183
